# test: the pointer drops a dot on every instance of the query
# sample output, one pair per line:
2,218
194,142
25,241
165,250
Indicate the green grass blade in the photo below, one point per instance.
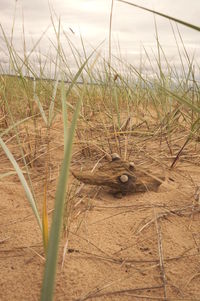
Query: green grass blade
22,180
64,112
79,72
52,104
183,100
45,220
50,267
13,126
36,98
163,15
7,174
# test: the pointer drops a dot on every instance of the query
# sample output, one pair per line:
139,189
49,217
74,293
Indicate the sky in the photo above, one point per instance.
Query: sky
133,30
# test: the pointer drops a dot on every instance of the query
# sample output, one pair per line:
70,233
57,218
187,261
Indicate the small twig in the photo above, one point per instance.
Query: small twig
64,253
152,221
3,240
191,278
164,214
36,253
197,194
135,207
119,292
108,217
98,163
89,242
179,153
160,252
169,147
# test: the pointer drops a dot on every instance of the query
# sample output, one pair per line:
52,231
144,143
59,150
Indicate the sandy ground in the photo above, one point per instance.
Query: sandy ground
141,247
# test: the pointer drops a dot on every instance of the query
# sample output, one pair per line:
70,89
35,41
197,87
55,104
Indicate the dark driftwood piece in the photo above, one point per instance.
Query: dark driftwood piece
121,176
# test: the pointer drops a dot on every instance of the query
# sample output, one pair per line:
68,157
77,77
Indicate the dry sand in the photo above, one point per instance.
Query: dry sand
142,247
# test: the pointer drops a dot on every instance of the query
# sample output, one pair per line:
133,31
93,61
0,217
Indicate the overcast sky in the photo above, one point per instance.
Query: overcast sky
132,28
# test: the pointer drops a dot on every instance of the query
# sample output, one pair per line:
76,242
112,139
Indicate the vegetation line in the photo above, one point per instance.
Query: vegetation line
47,79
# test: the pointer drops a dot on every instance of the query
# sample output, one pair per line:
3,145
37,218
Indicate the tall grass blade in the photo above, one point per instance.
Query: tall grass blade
50,267
22,180
183,100
7,174
110,36
64,113
45,221
13,126
52,104
36,98
162,15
